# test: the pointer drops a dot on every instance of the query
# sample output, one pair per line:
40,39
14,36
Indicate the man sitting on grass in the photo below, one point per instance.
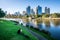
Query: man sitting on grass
19,31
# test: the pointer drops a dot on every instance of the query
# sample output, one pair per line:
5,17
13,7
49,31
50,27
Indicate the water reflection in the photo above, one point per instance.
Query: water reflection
51,25
56,22
47,23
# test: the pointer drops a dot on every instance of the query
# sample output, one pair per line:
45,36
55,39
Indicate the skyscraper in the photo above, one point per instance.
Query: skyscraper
28,10
47,10
36,11
17,13
24,13
39,10
32,11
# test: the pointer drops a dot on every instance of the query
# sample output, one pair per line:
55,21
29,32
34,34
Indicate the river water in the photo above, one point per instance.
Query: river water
53,26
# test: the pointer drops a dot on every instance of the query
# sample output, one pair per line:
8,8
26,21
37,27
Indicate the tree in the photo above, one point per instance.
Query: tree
54,15
45,15
2,14
39,15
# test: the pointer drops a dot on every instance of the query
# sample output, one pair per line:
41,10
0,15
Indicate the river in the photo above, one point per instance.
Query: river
53,26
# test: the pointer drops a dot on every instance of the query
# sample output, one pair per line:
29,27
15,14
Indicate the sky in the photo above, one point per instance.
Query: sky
21,5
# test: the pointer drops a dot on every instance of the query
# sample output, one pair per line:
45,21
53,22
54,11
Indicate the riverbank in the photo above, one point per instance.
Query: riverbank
8,31
42,33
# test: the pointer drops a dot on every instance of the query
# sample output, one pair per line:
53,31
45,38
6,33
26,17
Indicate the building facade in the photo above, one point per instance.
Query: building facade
47,10
39,10
17,13
28,10
32,11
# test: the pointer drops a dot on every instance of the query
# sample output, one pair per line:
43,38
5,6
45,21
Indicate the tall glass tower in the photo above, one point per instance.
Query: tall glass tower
39,10
32,11
28,10
47,10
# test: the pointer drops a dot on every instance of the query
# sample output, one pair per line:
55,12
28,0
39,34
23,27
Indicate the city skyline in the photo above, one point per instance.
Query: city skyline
20,5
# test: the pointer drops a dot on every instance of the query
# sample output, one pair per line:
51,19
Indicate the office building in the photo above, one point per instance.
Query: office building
28,10
47,10
17,13
32,11
39,10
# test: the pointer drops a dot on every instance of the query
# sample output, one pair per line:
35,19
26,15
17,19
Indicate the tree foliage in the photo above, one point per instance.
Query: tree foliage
2,14
45,15
55,15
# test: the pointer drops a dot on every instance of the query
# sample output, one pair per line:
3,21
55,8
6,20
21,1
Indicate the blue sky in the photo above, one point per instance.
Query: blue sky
20,5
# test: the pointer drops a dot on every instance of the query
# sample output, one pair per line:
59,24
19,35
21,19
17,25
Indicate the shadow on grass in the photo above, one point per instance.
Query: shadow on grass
20,33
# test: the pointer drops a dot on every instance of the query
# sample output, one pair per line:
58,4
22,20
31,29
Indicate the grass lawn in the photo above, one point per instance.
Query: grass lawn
8,31
43,34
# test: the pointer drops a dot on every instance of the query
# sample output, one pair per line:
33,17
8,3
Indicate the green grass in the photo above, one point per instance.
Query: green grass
43,34
8,31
